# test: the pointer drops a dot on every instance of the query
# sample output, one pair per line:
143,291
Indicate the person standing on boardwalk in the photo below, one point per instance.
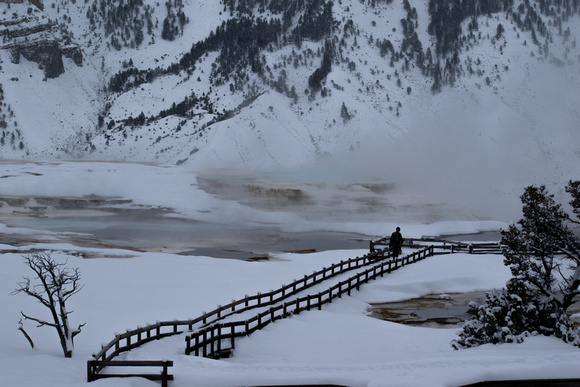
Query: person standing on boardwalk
396,242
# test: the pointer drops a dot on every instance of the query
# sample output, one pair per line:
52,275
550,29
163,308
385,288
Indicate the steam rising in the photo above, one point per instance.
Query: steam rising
477,150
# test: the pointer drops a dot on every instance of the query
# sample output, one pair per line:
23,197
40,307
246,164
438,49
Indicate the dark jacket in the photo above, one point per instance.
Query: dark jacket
396,240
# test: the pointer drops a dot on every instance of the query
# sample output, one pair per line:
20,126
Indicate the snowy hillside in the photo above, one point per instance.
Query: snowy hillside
383,88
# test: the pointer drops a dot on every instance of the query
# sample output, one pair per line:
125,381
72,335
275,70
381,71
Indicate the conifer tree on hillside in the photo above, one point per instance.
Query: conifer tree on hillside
543,254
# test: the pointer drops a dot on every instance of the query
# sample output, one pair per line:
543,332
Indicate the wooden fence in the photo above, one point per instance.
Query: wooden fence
444,245
137,337
218,340
93,366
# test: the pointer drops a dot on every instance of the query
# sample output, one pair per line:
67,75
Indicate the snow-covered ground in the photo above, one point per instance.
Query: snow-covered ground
338,345
341,344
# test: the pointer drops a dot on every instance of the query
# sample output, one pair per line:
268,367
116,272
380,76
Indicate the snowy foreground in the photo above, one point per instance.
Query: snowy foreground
341,344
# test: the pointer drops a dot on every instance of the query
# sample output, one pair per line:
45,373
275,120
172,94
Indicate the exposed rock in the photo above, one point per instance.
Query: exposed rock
37,43
47,54
75,53
38,3
7,28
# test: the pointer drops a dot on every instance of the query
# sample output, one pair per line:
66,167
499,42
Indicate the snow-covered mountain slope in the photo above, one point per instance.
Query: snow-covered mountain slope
374,88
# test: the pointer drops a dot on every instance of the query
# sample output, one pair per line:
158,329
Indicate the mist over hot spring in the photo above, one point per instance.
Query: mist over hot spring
466,149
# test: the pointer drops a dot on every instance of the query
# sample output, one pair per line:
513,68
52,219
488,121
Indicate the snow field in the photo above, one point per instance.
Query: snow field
339,344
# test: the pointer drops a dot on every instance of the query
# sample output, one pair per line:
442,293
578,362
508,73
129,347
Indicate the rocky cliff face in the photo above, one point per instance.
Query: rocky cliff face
29,39
47,54
37,42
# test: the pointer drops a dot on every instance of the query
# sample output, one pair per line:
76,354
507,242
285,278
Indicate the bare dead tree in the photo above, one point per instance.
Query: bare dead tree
53,286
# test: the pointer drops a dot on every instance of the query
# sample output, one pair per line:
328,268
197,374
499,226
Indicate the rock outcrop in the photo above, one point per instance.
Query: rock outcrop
38,43
48,55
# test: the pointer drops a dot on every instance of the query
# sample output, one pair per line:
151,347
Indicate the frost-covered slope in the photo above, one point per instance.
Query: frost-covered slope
373,95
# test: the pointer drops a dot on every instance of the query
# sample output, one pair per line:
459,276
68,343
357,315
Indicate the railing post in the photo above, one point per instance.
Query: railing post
219,341
164,380
90,370
349,286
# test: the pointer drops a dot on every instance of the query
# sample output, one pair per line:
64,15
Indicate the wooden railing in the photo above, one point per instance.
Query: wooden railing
218,340
93,366
444,245
137,337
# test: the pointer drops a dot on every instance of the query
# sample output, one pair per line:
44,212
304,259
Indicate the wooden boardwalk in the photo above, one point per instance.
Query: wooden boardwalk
213,338
443,246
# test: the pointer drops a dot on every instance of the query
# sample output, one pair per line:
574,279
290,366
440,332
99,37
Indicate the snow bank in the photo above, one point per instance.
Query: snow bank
339,345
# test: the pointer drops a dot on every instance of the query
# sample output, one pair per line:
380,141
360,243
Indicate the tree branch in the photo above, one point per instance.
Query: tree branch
21,329
39,321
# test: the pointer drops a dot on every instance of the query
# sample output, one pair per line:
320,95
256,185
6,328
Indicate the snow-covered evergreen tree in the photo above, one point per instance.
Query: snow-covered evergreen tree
543,254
